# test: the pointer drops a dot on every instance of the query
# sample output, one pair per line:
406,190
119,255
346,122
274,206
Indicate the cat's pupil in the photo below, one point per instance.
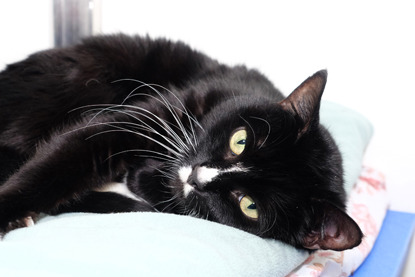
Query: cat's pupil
252,206
242,142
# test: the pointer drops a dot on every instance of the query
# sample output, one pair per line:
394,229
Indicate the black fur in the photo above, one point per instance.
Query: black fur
119,108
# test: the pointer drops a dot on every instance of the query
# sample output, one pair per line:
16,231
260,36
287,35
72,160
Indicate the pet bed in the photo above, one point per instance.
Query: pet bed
150,244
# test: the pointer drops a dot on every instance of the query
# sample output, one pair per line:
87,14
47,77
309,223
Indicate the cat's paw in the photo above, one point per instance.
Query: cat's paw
19,223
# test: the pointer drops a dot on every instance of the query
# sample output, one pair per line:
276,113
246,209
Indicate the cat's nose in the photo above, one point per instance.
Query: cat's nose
194,179
201,176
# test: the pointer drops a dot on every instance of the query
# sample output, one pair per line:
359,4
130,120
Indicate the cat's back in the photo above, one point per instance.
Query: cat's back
44,92
103,60
41,92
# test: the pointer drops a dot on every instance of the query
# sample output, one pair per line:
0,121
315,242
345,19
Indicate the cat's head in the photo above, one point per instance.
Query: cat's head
270,169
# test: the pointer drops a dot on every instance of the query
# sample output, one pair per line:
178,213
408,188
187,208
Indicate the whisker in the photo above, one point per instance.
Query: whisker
90,106
148,127
162,156
121,129
163,124
159,122
173,203
184,111
252,129
269,129
151,86
171,109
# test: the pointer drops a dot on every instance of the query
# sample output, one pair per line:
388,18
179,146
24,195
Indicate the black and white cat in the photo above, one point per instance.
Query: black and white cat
178,132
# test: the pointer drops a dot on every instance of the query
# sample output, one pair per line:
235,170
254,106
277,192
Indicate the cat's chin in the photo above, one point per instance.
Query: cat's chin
187,189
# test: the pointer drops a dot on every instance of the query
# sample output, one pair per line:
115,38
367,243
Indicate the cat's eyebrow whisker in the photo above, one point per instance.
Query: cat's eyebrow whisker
252,129
269,129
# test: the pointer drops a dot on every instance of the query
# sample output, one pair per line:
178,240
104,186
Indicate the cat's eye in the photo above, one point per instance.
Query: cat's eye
248,206
238,141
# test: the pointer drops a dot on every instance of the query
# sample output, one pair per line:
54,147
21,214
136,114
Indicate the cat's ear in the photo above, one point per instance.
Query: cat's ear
334,229
304,101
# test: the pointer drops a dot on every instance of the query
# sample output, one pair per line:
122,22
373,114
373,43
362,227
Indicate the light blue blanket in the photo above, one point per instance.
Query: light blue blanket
148,244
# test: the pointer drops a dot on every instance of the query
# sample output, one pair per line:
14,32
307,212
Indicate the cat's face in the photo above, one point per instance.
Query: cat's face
238,161
269,169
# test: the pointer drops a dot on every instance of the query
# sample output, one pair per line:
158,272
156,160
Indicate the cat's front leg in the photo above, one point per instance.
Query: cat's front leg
64,168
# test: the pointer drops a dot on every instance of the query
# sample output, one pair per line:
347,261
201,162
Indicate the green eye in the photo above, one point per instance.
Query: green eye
248,207
238,141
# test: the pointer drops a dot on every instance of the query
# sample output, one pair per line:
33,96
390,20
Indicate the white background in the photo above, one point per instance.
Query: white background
368,48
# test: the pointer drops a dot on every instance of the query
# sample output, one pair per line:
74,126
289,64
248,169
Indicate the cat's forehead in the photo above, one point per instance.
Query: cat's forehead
262,123
256,113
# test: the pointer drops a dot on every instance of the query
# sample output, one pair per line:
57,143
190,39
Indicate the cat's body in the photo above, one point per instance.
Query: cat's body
184,133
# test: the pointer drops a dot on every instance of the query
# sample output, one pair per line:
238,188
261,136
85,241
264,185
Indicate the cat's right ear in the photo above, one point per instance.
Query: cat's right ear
304,102
333,229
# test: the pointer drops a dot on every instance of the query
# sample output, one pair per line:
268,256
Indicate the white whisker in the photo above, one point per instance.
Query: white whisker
171,108
161,156
163,124
159,122
269,129
252,129
121,129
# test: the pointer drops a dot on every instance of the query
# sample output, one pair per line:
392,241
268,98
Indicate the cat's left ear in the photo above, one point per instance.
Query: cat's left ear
304,102
333,229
